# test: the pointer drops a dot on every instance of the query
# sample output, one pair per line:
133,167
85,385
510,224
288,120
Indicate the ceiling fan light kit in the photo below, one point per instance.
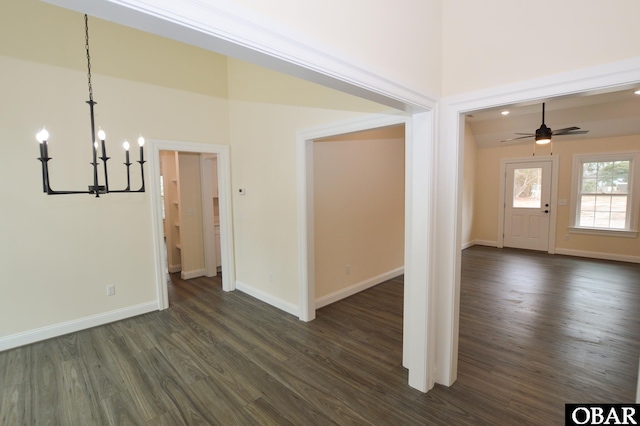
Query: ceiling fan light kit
543,135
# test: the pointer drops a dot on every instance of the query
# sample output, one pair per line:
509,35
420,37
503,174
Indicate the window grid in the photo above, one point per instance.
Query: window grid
603,198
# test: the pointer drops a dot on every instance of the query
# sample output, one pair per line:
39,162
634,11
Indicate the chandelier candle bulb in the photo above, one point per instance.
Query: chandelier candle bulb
42,137
102,136
141,143
125,145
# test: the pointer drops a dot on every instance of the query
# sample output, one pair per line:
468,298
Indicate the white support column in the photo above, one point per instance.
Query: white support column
447,250
418,335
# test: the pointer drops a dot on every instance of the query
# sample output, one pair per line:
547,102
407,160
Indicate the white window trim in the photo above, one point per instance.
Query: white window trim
631,230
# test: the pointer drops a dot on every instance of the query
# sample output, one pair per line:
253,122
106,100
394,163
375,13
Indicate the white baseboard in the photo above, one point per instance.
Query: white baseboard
43,333
472,243
358,287
283,305
485,243
568,252
174,268
186,275
467,245
598,255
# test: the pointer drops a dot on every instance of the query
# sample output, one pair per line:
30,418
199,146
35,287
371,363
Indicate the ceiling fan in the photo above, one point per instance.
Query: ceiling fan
543,134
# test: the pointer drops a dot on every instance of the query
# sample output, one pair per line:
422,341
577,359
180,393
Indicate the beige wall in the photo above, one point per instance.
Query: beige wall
358,211
487,193
59,252
266,111
38,32
495,42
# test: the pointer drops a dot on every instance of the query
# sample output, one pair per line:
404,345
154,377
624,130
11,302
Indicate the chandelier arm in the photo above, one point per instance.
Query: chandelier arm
141,171
44,159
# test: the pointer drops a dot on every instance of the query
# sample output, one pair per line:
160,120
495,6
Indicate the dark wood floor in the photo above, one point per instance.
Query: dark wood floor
536,331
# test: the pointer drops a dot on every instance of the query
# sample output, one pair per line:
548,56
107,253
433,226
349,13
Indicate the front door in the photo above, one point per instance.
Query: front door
526,208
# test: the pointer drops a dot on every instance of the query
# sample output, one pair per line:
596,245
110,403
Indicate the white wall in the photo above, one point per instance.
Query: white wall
360,31
495,42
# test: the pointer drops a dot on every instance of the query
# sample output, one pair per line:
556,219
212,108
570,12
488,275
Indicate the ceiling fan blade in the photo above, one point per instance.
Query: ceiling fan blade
527,134
563,131
521,137
580,132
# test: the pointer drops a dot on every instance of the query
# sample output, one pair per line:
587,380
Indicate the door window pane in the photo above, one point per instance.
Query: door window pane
527,184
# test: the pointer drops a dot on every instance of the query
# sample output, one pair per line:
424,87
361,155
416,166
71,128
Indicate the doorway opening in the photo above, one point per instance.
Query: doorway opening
417,357
306,209
191,213
595,80
198,229
358,217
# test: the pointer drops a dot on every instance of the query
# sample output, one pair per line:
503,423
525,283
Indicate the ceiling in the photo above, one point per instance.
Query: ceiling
602,114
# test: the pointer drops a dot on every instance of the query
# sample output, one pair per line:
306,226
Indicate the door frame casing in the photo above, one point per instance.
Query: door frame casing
553,214
451,112
418,354
224,195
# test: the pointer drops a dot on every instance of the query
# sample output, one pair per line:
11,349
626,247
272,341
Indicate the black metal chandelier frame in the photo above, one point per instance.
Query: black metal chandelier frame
96,188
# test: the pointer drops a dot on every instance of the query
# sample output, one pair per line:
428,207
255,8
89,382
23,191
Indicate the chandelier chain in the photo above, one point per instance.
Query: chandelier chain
86,45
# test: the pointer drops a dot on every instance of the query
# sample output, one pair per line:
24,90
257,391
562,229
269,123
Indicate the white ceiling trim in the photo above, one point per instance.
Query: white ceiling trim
227,28
601,78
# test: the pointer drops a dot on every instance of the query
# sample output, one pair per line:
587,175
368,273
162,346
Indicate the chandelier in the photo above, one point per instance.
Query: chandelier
43,135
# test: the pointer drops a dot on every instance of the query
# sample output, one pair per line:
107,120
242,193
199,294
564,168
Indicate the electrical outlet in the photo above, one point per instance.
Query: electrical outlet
566,237
347,269
111,290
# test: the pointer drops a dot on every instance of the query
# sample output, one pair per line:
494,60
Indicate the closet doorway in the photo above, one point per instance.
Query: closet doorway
191,213
191,196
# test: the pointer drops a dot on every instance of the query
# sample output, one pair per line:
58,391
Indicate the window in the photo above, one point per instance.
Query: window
526,188
603,194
